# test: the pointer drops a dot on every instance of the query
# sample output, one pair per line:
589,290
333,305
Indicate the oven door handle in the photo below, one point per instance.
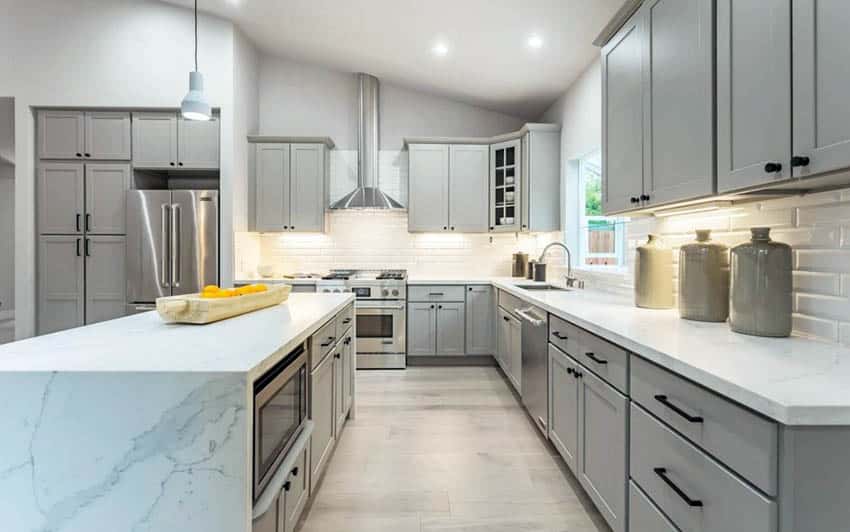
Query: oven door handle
378,306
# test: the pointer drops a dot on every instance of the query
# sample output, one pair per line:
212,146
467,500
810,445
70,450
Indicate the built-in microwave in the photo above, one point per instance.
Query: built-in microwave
280,412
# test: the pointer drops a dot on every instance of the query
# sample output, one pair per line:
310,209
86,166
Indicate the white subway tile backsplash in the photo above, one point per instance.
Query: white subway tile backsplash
823,260
817,283
832,307
815,214
815,327
844,333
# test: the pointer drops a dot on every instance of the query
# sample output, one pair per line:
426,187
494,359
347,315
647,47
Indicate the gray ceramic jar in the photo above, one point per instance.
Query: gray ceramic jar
760,291
654,275
704,279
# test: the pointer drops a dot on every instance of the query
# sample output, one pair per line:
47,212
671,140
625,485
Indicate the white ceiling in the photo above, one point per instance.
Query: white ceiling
489,63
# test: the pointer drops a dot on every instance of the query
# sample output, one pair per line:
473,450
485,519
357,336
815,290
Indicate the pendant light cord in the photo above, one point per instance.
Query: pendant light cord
196,35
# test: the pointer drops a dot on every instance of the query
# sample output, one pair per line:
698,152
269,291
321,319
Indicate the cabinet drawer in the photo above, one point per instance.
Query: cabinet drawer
644,516
436,293
607,360
744,441
564,335
295,493
322,342
510,302
696,492
344,320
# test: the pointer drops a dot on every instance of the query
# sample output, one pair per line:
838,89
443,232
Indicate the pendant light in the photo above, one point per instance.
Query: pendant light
195,106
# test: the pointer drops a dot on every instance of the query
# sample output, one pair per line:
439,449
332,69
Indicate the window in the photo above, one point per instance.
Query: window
601,239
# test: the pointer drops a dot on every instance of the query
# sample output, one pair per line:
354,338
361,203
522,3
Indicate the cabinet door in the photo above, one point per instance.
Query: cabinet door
273,190
428,197
294,497
469,178
61,298
155,140
515,353
108,136
505,186
603,444
307,175
622,117
347,372
198,144
60,198
678,100
421,329
322,413
61,134
753,92
821,83
504,339
479,320
339,392
106,280
564,406
451,326
106,198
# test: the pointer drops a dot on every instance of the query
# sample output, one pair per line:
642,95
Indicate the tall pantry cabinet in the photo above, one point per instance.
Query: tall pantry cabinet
83,174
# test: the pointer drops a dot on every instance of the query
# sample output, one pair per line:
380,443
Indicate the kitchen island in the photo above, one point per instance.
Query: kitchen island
134,424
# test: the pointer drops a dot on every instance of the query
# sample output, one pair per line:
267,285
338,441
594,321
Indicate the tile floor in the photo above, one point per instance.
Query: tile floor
445,449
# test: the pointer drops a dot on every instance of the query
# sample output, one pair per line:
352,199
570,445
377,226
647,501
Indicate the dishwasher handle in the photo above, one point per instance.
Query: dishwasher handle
524,314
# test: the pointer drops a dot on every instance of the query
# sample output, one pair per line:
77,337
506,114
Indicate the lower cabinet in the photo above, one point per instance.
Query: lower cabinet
342,381
509,350
436,329
479,320
323,414
294,496
644,516
451,329
564,396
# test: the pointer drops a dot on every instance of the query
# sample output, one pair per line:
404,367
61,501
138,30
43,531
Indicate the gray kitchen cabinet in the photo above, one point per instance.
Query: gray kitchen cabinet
622,117
821,82
644,516
678,100
60,198
105,285
348,361
468,188
61,278
268,522
323,413
428,182
107,136
272,187
421,329
450,329
506,186
105,198
307,187
155,140
479,320
604,448
541,178
340,400
294,496
198,144
754,92
564,408
515,353
503,339
61,134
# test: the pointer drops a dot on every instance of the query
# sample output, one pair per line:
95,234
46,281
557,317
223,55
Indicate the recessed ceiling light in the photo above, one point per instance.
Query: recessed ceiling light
440,49
535,42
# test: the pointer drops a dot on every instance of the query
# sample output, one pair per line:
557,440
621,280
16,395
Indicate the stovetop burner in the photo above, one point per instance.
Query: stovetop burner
395,275
339,275
366,275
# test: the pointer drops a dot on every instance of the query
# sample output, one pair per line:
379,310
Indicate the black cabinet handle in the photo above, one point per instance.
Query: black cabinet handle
593,357
86,246
292,228
570,371
179,164
286,227
440,306
172,164
79,155
453,228
444,228
330,341
432,306
88,222
772,168
78,246
577,374
346,321
634,199
557,334
287,485
662,472
503,317
666,402
436,294
78,221
799,160
644,197
88,155
348,341
295,472
491,228
337,355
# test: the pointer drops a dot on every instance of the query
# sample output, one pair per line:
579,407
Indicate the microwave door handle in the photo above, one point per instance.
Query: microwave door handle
164,244
175,244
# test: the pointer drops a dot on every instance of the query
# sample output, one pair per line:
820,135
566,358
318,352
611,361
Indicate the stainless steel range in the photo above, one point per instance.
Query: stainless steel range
381,311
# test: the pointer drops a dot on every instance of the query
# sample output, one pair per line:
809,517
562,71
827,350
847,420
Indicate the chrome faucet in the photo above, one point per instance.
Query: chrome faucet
569,280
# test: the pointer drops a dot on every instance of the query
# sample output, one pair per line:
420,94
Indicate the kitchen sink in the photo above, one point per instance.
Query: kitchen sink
542,287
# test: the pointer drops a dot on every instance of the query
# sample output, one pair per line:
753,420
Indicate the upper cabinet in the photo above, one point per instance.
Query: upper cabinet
468,185
164,141
540,179
428,182
657,93
290,185
505,186
84,135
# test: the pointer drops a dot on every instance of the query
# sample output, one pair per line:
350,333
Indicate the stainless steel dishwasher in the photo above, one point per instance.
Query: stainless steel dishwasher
535,365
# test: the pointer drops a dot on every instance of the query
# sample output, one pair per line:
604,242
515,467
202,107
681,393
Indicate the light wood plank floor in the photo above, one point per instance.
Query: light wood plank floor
445,449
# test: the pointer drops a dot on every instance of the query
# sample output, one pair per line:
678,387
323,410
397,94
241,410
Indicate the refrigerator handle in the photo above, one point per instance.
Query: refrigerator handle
175,245
163,246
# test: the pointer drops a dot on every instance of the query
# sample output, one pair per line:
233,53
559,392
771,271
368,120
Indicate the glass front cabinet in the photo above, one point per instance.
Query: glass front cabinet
505,189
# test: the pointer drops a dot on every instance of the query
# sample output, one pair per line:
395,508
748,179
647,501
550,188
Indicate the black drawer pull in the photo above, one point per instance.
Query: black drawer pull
592,357
330,341
295,472
346,321
503,317
436,294
662,472
666,402
287,485
557,334
570,371
337,355
78,222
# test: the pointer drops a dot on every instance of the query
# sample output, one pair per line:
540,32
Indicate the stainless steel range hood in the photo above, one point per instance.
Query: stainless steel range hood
367,195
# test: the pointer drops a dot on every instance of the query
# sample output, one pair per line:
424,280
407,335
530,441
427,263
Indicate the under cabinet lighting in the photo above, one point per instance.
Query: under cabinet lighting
535,42
692,209
440,49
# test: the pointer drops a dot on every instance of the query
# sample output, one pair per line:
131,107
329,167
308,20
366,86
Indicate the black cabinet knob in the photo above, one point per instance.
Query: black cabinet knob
88,155
570,371
337,355
634,199
295,472
179,164
439,306
491,228
79,155
292,228
445,227
772,168
172,164
287,486
799,160
286,227
432,306
453,228
644,197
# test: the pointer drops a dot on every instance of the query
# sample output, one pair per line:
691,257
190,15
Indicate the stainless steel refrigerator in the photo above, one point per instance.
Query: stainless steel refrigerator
172,244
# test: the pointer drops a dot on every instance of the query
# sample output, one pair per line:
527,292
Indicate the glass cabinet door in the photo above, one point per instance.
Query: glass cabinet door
505,189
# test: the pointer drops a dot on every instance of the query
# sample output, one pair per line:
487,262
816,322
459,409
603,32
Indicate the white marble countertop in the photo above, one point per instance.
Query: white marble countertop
796,381
144,343
275,280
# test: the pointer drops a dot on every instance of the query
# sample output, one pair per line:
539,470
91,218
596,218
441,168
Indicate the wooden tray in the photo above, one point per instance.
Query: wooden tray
192,308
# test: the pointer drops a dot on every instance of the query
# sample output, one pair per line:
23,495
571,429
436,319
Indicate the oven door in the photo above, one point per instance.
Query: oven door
280,411
381,326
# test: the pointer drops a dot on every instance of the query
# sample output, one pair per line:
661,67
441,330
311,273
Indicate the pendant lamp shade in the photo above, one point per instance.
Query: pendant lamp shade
195,106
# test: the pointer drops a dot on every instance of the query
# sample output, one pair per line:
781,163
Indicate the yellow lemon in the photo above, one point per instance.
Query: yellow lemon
211,288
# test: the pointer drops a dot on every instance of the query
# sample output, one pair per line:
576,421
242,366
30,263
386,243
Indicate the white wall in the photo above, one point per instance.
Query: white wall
96,53
246,72
7,217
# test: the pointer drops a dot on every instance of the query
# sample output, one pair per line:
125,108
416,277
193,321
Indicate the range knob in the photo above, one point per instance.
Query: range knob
395,292
385,292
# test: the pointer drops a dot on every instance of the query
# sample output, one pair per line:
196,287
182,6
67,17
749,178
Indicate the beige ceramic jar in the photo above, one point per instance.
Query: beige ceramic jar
760,292
654,275
704,279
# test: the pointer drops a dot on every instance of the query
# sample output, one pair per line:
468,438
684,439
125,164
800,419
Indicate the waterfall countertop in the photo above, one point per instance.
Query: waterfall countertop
795,381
